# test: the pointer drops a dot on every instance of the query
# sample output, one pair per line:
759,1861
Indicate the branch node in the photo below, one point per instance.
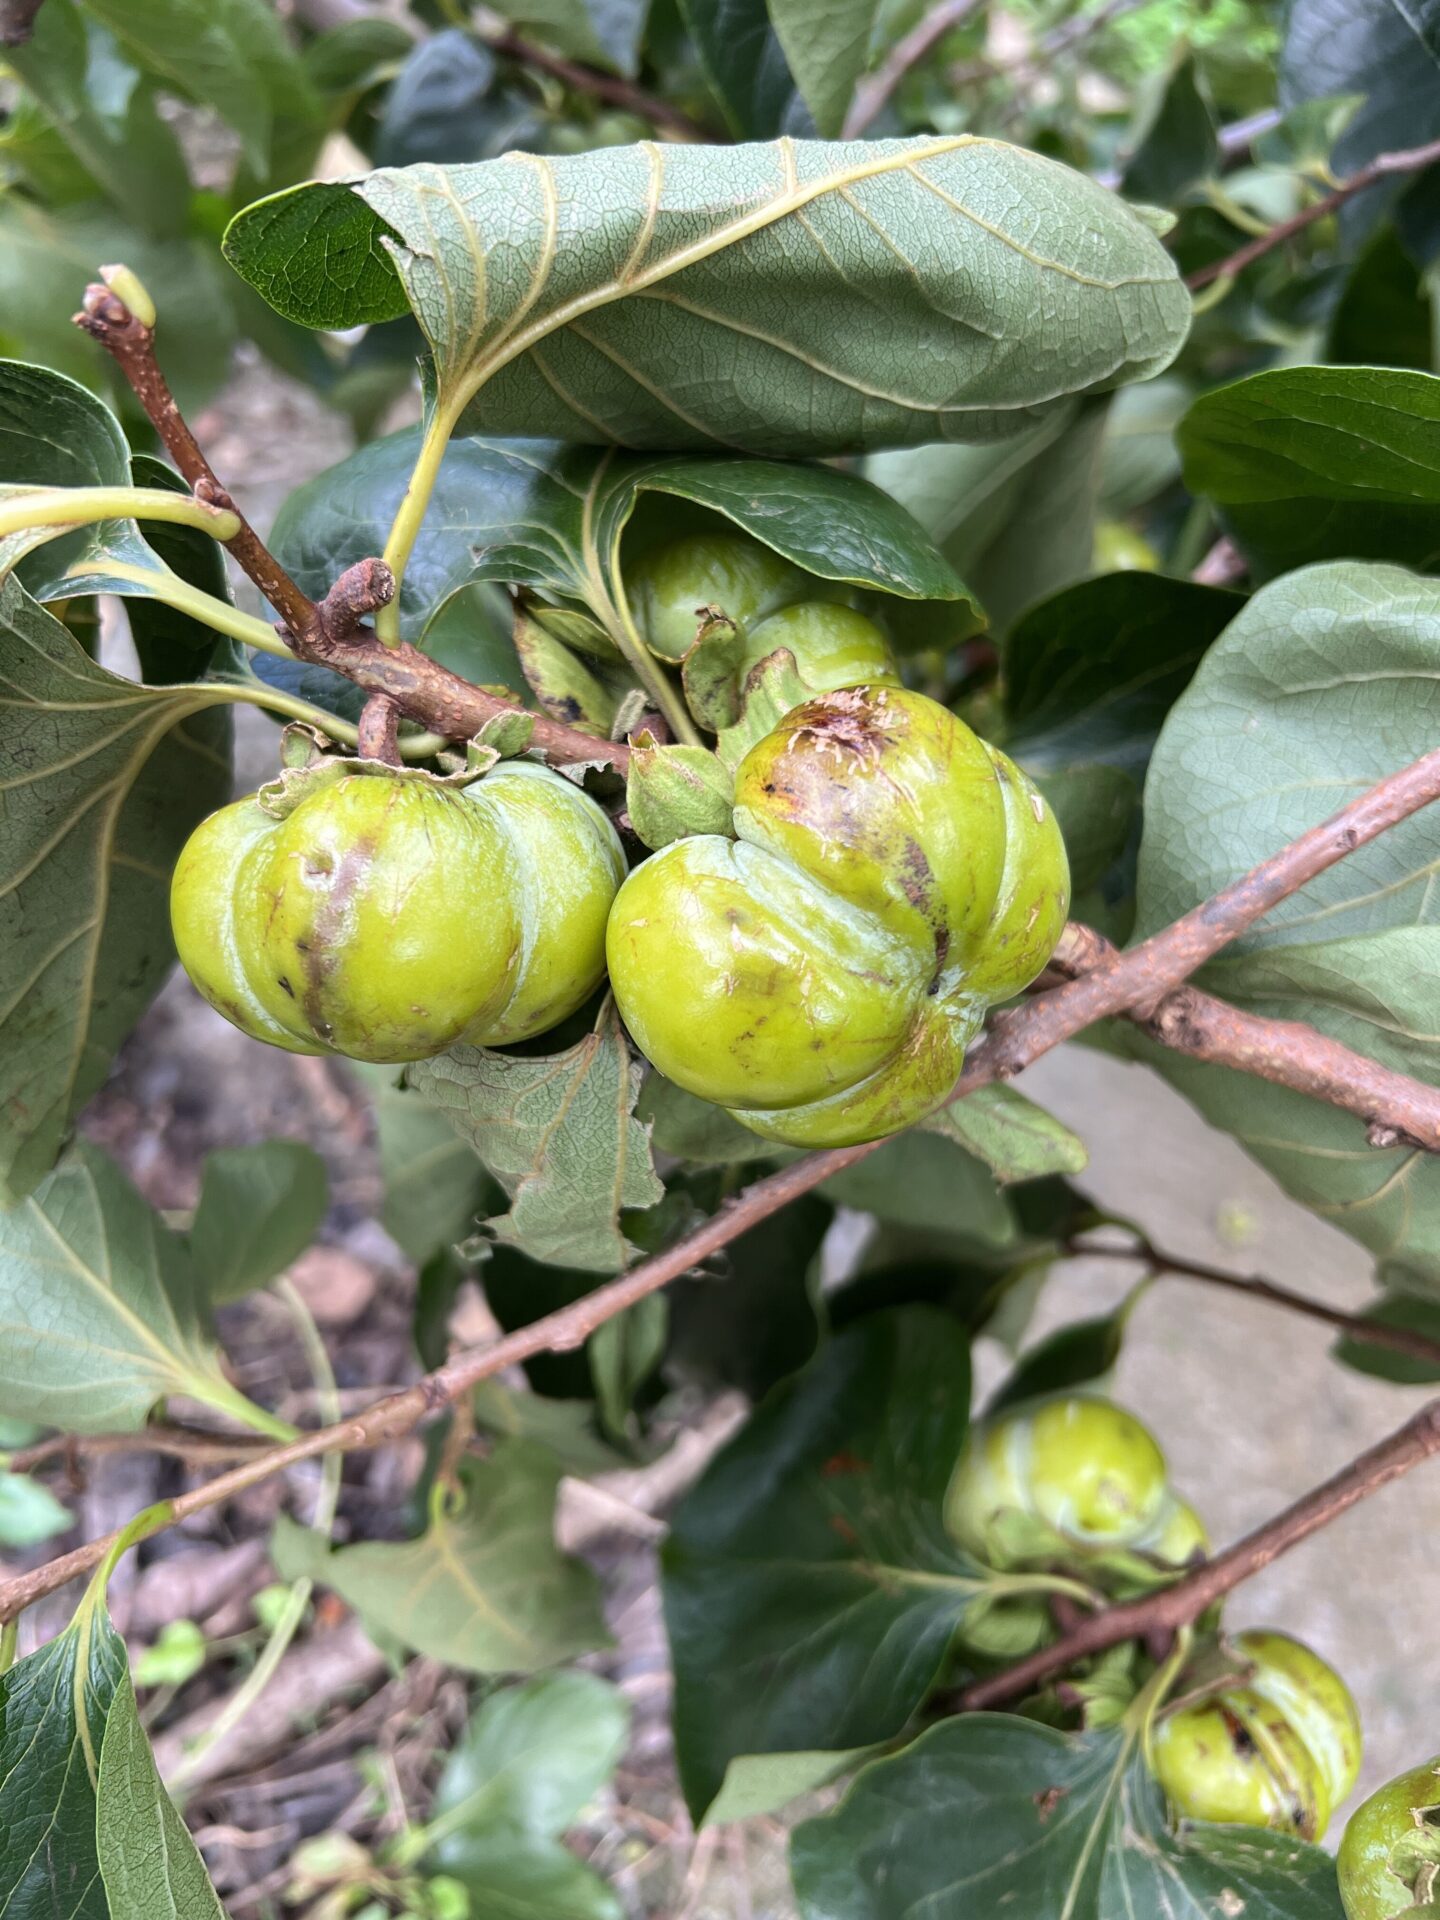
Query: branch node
355,595
209,491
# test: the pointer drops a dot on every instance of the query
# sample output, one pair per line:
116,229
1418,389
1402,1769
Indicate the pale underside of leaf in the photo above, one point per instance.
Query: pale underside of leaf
559,1134
98,1310
1326,682
798,297
78,743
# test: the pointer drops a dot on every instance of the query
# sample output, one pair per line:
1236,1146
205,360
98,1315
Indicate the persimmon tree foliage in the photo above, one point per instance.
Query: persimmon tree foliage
866,601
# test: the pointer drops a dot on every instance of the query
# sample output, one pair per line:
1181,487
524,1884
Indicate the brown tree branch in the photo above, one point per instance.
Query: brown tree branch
873,93
17,21
1383,167
399,1413
1398,1110
1174,1607
502,38
191,1444
1355,1326
330,633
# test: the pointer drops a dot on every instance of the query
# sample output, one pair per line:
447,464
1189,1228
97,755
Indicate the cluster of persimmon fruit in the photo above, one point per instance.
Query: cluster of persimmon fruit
819,971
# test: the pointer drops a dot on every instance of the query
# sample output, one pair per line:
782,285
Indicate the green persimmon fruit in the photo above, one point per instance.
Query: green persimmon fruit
833,646
1120,549
388,915
1280,1748
1073,1472
1177,1537
1389,1859
822,974
670,587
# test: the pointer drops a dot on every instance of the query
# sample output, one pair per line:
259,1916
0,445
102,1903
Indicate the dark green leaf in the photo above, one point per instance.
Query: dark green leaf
260,1207
827,50
927,1180
558,1132
1318,463
99,105
1410,1315
1386,52
231,55
435,1188
697,299
1017,518
1138,459
526,1765
53,1708
1072,1356
438,106
537,514
810,1591
624,1353
692,1129
602,33
151,1868
483,1588
518,1291
109,779
745,65
55,433
1024,1818
1323,684
1091,672
48,256
1385,315
169,645
1177,147
759,1320
101,1312
1095,808
565,1428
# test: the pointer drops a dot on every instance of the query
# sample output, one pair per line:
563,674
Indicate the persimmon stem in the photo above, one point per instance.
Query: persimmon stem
377,736
1358,1327
410,515
84,506
160,584
330,634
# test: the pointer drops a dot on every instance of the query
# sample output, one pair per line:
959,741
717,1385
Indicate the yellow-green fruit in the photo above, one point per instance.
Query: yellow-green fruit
834,646
822,975
670,587
1389,1860
387,916
1177,1537
1280,1749
1074,1472
1120,549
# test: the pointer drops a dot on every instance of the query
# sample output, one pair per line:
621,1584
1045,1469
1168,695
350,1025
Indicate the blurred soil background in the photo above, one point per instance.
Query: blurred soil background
1245,1399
